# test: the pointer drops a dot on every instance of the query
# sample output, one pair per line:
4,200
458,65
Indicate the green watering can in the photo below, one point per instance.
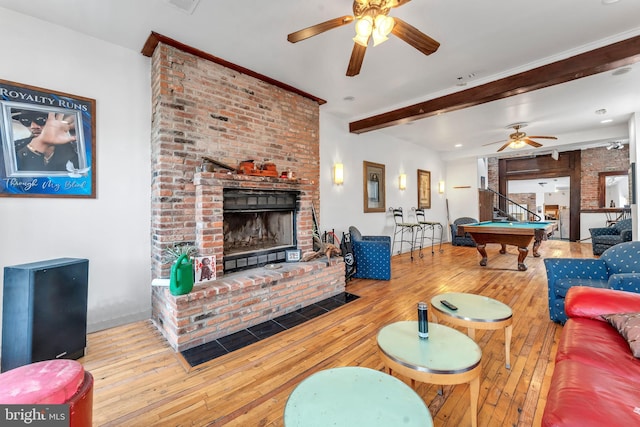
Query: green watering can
181,280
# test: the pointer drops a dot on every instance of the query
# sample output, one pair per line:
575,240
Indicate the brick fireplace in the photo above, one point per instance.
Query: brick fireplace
202,108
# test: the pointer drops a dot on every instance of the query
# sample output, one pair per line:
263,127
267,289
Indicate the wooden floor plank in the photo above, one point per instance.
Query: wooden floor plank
141,381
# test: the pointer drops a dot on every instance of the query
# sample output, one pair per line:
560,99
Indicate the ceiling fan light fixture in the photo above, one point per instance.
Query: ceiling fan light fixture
364,26
517,144
378,38
382,28
361,40
384,24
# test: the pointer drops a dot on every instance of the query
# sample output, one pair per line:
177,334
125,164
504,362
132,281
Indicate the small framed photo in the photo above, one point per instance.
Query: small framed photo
293,255
205,268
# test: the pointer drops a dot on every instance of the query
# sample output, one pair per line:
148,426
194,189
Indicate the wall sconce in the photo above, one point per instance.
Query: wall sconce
338,173
441,187
402,184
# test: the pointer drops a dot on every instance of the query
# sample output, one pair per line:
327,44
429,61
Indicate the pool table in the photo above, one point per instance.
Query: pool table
505,233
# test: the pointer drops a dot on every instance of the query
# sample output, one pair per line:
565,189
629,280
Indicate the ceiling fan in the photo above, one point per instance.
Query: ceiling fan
520,139
372,21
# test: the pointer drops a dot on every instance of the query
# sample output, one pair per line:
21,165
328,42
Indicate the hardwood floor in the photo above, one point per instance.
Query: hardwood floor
141,381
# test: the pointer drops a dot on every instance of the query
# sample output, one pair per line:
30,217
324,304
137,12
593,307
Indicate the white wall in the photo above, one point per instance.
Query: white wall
462,185
112,231
342,205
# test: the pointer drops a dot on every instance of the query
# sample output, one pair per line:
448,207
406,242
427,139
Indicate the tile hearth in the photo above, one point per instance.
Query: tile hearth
223,345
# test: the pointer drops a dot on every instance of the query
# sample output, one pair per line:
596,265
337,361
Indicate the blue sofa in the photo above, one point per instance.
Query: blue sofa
372,254
618,268
602,238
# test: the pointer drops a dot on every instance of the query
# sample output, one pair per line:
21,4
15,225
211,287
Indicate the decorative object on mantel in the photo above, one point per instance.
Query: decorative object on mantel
326,249
248,167
208,163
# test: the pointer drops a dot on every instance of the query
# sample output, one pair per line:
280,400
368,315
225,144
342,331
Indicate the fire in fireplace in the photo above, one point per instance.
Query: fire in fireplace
258,226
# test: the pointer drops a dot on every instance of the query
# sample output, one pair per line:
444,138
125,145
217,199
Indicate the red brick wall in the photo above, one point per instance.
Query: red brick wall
200,108
599,160
243,299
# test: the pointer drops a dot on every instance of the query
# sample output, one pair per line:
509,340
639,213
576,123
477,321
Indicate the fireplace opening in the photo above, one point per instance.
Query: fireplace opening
256,231
259,226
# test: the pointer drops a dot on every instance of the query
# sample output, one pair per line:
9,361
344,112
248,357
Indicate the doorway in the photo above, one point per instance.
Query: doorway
548,197
568,164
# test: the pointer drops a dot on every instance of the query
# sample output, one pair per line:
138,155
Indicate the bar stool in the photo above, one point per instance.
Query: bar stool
402,227
425,225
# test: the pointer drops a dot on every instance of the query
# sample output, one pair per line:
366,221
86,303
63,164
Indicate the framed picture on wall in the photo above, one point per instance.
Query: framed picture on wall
373,183
47,143
424,189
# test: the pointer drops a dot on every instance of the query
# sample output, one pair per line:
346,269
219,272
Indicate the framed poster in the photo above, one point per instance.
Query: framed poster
373,187
424,189
47,143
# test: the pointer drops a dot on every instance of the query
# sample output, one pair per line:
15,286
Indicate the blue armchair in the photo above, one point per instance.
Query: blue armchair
617,268
465,239
372,254
603,238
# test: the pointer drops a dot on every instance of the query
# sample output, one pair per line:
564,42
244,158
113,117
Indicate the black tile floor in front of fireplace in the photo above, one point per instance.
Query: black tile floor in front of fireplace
208,351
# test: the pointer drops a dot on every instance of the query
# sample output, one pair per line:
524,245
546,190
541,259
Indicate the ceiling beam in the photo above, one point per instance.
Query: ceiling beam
596,61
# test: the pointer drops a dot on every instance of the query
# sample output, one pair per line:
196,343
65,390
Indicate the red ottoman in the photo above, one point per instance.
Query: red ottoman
51,382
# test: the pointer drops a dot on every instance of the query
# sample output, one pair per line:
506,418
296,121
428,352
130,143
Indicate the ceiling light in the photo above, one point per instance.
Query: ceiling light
601,111
606,121
610,1
458,145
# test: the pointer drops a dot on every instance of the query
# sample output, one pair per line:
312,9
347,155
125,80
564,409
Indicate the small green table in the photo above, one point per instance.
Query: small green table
354,396
446,357
476,312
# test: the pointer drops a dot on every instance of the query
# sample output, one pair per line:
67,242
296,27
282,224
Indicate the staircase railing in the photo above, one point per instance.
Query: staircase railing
509,210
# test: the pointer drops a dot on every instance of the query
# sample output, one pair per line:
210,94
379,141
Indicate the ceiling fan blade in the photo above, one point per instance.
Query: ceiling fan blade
504,146
355,63
532,143
544,137
314,30
414,37
494,142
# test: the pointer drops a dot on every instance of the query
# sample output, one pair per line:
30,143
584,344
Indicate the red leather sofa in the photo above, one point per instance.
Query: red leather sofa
596,380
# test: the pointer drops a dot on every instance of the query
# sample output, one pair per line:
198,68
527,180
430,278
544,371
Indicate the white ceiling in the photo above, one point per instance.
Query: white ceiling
486,40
